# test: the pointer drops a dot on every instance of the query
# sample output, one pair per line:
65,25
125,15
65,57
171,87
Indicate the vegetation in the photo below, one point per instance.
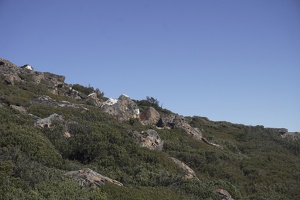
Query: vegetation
255,162
152,102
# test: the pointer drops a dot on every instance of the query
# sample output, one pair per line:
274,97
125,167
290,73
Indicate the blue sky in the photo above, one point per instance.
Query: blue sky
236,61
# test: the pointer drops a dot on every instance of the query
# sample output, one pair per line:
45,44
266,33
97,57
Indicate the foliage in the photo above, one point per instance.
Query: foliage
152,102
88,90
255,162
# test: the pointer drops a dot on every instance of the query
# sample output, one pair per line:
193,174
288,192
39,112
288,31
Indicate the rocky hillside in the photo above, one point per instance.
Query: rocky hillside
68,141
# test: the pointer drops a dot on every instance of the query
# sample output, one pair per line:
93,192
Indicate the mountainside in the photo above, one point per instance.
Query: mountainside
68,141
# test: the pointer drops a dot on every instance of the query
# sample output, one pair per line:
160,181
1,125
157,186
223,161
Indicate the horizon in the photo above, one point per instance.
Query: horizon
228,61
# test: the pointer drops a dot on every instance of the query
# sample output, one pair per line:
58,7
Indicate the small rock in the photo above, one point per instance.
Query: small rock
225,195
18,108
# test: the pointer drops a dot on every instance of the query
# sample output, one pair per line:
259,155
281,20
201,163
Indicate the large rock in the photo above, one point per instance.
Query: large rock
150,116
46,122
189,173
94,98
89,178
122,108
149,139
54,82
9,72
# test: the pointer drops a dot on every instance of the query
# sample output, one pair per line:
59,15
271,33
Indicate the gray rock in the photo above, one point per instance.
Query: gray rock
54,82
46,122
89,178
150,116
122,108
18,108
189,173
149,139
175,121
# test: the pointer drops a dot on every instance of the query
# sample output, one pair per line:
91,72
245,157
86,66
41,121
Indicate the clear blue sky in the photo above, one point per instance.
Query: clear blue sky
233,60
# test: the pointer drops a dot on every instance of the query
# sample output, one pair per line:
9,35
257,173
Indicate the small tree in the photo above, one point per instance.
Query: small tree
153,102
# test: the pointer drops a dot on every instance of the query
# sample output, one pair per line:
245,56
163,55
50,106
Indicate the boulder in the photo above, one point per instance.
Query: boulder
94,98
46,122
150,116
18,108
9,72
38,77
189,173
54,82
122,109
149,139
89,178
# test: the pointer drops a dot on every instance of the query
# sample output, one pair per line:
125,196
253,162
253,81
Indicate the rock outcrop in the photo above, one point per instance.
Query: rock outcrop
291,135
175,121
189,173
149,139
122,108
150,116
48,101
180,122
54,82
46,122
89,178
9,72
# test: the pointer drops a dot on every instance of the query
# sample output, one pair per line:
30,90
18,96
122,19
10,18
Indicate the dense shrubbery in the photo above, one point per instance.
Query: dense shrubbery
151,101
88,90
255,163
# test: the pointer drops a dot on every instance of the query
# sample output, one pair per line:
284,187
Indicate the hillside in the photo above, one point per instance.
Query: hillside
68,141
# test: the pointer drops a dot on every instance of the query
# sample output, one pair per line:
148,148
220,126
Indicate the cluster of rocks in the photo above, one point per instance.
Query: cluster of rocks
12,74
122,108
